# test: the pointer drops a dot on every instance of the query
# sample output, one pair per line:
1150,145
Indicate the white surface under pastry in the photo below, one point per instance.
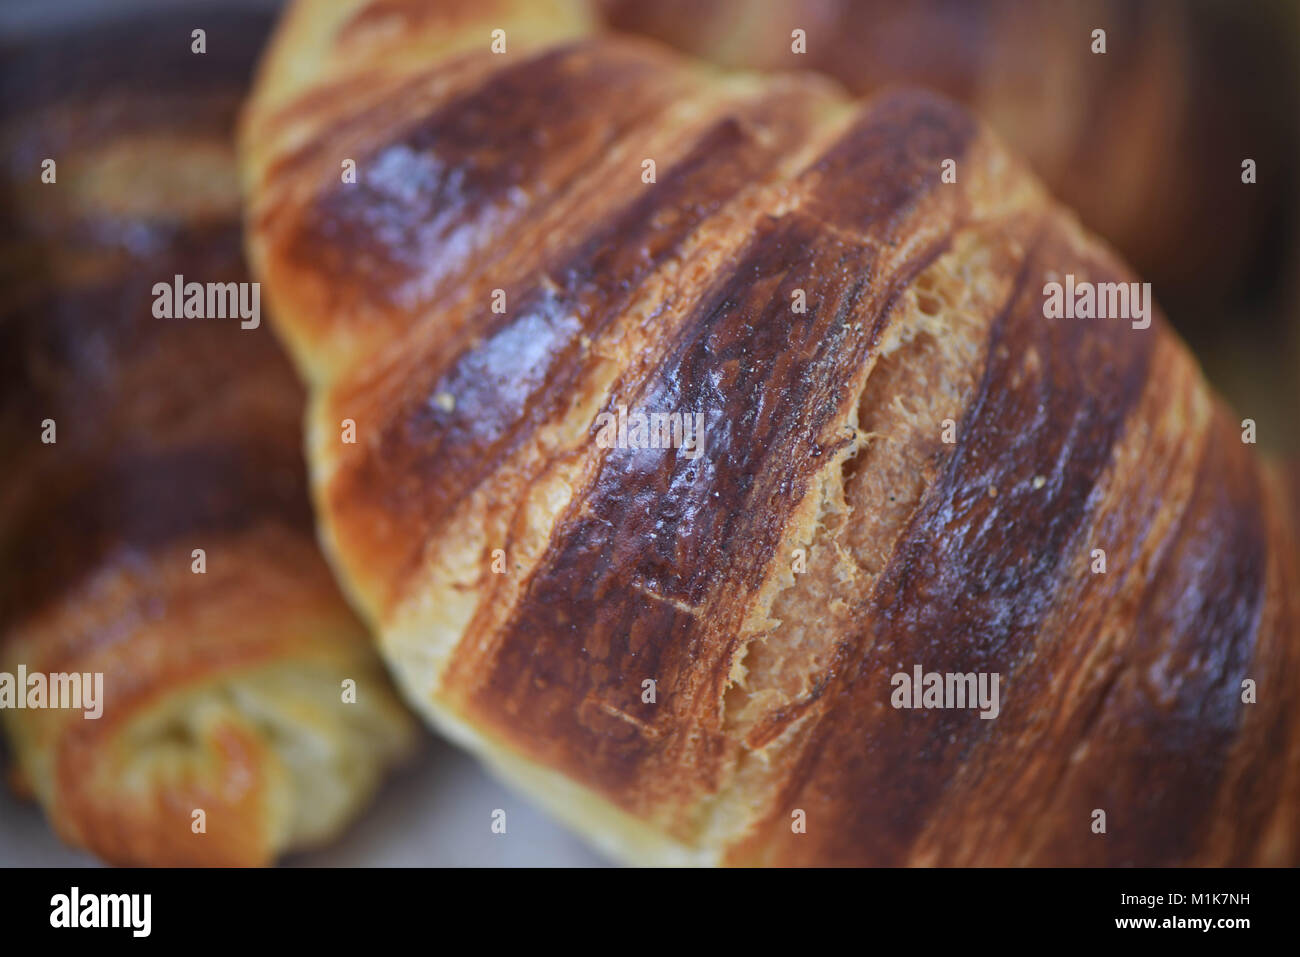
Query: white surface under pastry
435,813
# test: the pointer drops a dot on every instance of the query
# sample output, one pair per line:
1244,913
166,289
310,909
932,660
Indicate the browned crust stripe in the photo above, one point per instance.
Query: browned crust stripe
651,571
969,589
1159,742
520,370
520,130
142,499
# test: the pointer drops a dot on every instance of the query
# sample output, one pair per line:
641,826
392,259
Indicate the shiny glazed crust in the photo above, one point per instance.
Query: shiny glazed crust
476,439
222,691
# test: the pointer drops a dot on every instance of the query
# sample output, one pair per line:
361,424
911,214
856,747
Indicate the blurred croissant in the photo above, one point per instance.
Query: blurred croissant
490,233
131,443
1144,140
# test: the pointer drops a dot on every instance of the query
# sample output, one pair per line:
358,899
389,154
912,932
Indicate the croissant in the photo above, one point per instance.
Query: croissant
706,426
174,654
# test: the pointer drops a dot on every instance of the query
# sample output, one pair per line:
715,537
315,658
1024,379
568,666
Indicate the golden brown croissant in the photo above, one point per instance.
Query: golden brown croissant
131,442
689,644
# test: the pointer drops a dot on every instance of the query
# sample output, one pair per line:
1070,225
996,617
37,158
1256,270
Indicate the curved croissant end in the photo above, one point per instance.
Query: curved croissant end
220,732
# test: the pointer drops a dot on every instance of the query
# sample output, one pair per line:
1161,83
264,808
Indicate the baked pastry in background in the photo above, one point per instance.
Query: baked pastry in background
689,653
1145,141
222,691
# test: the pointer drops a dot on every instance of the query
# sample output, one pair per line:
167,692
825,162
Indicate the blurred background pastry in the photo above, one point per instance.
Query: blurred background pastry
226,692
